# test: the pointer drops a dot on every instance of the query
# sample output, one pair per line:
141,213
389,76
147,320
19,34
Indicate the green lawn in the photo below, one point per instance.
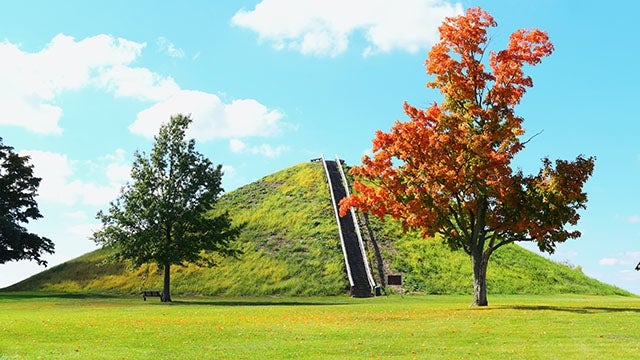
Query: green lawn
45,326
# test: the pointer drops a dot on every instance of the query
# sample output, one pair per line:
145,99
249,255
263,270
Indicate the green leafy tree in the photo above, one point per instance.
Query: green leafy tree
165,215
18,190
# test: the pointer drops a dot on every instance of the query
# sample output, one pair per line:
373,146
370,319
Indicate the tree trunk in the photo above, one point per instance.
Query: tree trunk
479,279
166,291
478,259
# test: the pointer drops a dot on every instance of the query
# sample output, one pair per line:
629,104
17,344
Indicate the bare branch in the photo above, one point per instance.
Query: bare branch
531,138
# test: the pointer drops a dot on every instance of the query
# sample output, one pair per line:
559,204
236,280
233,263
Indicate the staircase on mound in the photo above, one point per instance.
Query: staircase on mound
360,280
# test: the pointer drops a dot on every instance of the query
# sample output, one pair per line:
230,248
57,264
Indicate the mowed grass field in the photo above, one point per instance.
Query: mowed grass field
48,326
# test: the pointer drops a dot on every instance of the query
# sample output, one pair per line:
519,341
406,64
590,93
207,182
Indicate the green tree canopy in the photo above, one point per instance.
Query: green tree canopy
18,190
164,215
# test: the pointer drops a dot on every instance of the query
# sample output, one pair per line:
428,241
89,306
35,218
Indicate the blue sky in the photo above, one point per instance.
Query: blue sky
274,83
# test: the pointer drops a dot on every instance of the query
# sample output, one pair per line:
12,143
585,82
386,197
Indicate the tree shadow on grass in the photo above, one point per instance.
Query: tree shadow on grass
256,302
571,309
11,295
30,295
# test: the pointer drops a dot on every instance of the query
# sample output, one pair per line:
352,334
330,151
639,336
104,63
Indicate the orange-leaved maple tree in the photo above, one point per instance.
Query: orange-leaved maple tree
447,170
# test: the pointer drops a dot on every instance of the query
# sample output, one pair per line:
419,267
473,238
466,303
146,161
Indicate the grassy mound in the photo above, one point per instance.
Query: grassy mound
291,248
429,266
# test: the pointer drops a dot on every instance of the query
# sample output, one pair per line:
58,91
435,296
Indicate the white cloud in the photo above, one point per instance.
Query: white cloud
77,215
212,119
629,258
570,254
35,116
93,194
609,262
323,27
56,170
231,179
238,146
634,219
83,231
169,48
268,150
166,46
228,170
118,170
138,83
32,82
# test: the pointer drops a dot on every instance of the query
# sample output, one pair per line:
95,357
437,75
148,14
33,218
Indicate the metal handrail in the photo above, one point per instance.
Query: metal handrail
337,213
357,226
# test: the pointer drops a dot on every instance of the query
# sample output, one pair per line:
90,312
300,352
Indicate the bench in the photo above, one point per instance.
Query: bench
146,293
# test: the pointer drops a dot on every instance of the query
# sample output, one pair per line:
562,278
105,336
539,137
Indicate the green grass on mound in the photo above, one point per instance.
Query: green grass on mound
431,267
291,248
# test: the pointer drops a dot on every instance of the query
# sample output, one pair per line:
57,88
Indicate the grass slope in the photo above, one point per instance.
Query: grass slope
429,266
290,243
291,248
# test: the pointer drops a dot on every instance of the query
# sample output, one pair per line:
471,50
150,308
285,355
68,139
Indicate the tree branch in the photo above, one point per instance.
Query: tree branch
531,138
